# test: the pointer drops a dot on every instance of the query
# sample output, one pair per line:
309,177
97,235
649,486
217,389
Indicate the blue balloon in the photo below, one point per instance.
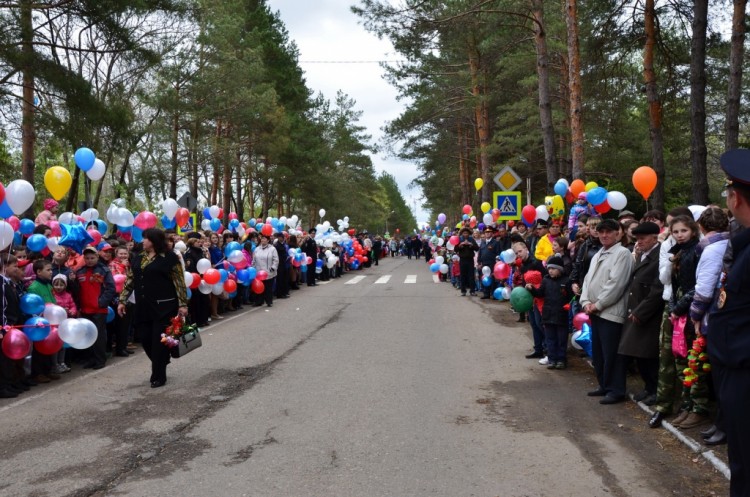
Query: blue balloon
137,234
189,293
74,236
36,243
215,224
17,238
231,247
125,229
26,227
303,268
434,267
101,227
5,210
223,275
36,328
561,188
168,223
32,304
84,158
251,273
355,264
110,314
242,276
465,217
498,293
234,224
486,281
319,263
207,214
596,196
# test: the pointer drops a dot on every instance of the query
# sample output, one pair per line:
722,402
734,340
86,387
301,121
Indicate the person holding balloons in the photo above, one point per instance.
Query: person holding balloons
266,260
466,249
12,380
96,291
64,299
42,364
158,281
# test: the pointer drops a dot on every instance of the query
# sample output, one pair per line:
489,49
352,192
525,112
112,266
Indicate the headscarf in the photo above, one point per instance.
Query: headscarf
50,204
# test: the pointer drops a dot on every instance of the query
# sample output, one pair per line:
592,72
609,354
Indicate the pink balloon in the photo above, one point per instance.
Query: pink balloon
453,240
14,222
119,282
145,220
96,236
580,319
55,227
81,219
232,215
16,345
501,271
240,265
262,275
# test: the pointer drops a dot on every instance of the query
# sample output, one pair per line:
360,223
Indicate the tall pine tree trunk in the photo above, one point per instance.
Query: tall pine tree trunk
545,105
698,150
463,179
174,163
736,54
239,200
216,177
481,115
28,129
226,187
574,86
654,105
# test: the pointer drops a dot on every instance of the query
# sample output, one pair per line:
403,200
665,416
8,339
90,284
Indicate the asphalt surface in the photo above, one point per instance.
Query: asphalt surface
359,387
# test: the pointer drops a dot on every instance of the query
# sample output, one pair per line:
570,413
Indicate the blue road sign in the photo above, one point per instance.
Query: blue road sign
509,205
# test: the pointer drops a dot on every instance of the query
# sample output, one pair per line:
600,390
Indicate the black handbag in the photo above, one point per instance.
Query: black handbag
187,343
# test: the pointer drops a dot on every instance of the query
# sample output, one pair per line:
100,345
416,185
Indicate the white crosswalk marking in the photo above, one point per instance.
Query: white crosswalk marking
383,280
355,280
411,278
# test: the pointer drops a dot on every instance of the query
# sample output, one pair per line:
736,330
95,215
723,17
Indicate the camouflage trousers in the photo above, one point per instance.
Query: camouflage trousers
670,388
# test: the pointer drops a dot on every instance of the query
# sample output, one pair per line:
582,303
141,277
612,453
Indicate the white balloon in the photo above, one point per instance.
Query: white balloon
20,196
444,268
180,246
331,262
67,218
188,278
206,224
203,265
87,335
449,246
573,338
541,212
214,211
6,235
68,331
487,219
617,200
53,243
235,256
485,270
169,207
204,288
125,216
326,226
112,214
217,289
328,243
508,256
90,215
97,170
54,314
440,242
439,260
241,231
346,219
322,212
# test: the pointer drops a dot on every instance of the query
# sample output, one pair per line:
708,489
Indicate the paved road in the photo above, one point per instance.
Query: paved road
382,383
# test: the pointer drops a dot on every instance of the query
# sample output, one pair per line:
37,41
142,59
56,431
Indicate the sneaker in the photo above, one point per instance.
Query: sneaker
560,365
66,368
544,361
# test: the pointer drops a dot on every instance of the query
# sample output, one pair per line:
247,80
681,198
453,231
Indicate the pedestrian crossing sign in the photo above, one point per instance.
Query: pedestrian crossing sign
508,203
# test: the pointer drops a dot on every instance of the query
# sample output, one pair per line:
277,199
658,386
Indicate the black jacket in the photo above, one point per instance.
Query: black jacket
556,293
488,252
466,251
155,293
684,262
585,253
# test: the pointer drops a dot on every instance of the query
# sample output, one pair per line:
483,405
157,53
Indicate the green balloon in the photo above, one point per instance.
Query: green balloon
521,299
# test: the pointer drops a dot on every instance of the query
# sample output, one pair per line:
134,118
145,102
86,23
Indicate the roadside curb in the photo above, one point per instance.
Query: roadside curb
696,447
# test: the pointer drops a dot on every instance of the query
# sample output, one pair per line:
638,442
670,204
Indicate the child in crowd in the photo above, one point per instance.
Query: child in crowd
65,300
97,289
43,366
556,292
455,271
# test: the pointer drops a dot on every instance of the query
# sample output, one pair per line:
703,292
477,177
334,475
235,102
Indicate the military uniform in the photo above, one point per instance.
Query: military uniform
729,344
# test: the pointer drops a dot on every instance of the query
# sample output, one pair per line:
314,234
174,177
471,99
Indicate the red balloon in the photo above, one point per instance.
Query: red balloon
580,319
50,345
257,286
603,208
529,213
262,275
467,209
511,224
196,281
221,213
501,271
16,345
212,276
96,236
351,232
181,216
309,260
267,230
232,215
55,227
230,286
454,240
364,259
14,222
145,220
2,193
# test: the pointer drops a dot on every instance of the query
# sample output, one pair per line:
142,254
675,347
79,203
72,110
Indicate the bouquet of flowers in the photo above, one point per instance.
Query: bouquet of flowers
176,329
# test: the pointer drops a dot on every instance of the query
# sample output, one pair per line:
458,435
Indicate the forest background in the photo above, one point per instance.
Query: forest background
208,97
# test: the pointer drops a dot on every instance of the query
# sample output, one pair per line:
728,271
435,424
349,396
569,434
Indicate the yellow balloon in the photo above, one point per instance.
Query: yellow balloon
57,180
591,185
478,184
486,207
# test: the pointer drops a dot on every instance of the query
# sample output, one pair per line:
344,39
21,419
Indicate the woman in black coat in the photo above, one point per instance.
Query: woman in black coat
157,278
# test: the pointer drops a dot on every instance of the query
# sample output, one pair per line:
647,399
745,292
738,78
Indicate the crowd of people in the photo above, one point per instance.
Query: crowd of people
131,291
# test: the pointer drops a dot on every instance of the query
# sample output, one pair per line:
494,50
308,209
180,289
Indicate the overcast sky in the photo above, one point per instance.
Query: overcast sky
326,30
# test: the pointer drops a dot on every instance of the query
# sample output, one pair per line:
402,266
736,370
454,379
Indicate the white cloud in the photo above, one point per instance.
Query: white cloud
326,30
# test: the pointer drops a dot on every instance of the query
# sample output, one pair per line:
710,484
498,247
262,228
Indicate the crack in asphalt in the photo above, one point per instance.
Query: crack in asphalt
173,449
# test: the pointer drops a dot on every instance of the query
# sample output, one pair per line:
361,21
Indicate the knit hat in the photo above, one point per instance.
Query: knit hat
60,276
555,262
50,204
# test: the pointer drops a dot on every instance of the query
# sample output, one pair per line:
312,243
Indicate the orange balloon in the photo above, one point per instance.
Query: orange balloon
644,181
576,187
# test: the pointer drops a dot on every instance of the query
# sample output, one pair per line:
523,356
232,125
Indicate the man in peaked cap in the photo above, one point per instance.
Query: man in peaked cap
729,327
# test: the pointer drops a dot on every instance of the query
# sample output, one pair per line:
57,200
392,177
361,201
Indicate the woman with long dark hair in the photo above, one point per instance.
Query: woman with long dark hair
157,278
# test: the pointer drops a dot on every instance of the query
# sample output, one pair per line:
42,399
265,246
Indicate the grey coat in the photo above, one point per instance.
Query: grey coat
645,302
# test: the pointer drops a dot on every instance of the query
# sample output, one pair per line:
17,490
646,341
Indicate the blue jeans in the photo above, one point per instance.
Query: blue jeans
557,342
537,331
